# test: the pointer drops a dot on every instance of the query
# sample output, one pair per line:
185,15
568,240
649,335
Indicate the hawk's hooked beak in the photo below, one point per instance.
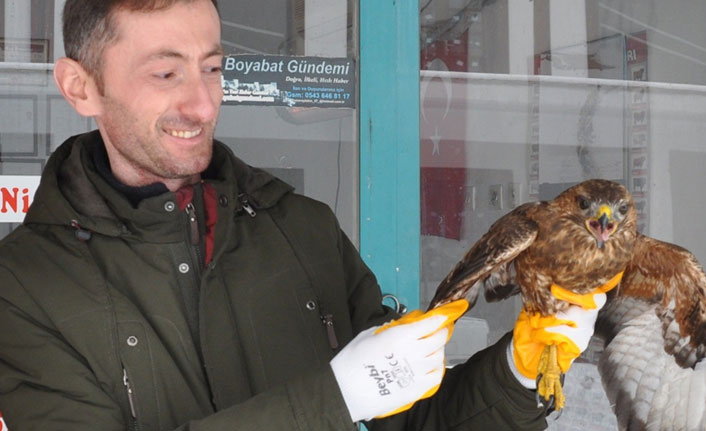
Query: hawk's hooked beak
601,225
604,221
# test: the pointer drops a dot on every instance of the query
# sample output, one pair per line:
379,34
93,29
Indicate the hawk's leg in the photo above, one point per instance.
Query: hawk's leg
550,378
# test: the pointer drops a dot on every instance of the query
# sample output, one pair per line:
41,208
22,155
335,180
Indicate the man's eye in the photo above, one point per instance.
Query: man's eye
215,69
165,75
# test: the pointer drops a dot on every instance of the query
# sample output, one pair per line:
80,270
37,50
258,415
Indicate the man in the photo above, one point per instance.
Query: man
174,287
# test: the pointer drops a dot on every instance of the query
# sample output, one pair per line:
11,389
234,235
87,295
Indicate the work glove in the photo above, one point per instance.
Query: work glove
384,370
571,330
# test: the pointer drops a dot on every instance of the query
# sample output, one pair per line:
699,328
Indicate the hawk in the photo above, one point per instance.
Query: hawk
654,323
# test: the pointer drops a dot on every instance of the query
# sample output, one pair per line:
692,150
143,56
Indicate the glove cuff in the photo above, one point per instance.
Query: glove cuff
586,301
524,381
347,390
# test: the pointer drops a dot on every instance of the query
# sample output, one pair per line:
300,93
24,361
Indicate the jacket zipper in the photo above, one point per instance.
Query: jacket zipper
130,400
327,319
194,235
245,205
193,224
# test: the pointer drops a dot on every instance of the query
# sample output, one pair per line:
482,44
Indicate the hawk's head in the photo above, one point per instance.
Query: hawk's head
603,207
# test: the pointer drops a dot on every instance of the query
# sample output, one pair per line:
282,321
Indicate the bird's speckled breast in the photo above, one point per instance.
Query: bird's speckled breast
569,257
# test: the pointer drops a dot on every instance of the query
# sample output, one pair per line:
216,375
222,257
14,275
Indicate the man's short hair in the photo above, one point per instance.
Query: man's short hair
89,26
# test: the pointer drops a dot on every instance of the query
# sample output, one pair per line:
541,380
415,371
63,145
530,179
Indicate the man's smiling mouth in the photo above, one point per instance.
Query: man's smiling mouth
185,134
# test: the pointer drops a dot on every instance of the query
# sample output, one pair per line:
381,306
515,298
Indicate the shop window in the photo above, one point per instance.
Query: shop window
521,99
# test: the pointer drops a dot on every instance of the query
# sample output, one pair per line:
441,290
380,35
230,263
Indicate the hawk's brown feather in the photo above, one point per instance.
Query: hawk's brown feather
490,255
547,243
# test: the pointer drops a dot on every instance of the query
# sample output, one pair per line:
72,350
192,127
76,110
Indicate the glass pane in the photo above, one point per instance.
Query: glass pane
35,118
521,99
314,149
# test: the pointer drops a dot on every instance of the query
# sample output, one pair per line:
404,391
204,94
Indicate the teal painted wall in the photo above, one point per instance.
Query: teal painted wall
389,145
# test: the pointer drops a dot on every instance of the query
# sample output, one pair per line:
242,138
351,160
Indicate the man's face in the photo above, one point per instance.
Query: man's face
162,93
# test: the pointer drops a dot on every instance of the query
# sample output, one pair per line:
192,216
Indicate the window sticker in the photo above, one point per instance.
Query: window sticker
16,194
272,80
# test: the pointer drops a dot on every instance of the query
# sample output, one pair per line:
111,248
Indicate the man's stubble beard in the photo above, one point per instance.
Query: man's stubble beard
141,149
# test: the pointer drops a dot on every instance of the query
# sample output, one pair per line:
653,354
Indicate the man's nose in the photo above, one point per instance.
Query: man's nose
201,98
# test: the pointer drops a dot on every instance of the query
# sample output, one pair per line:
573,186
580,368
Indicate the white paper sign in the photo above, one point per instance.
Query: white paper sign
16,194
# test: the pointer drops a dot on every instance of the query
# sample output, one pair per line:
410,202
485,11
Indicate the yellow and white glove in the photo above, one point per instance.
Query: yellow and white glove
385,369
570,331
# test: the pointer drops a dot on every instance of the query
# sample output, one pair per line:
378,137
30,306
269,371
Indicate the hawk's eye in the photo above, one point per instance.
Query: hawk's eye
583,203
623,209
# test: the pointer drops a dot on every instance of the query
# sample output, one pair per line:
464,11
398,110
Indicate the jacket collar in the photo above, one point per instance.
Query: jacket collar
135,195
72,191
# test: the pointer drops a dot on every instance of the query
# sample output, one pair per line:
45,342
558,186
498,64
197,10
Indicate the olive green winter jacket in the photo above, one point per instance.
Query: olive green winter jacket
94,330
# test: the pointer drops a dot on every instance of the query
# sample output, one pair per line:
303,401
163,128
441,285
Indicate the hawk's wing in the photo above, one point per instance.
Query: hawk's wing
672,277
491,256
655,329
644,384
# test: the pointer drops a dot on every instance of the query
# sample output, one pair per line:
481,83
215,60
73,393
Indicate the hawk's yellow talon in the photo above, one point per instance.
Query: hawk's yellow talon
549,377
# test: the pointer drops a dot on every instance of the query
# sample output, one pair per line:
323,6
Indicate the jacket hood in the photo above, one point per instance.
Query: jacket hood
71,192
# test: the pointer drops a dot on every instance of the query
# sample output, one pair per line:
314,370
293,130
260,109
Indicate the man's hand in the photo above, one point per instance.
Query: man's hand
385,369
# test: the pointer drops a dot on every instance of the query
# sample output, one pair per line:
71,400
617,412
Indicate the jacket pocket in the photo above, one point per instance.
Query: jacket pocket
138,378
131,401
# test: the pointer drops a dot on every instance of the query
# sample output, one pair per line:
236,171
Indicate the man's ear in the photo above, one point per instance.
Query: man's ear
77,86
